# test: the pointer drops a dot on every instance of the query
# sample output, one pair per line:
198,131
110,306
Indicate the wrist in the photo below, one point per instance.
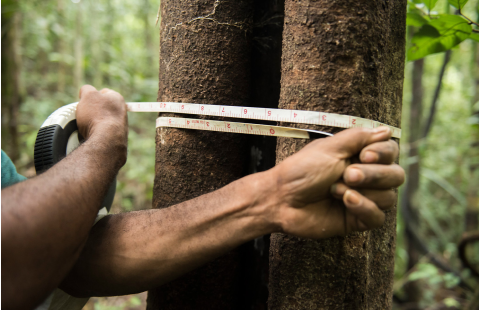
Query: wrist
264,199
109,149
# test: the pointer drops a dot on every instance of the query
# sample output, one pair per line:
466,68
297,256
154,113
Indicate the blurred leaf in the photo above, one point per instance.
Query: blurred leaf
474,36
439,35
451,280
450,302
430,4
423,271
416,19
459,4
135,301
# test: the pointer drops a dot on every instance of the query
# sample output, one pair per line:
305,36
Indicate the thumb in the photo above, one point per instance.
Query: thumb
85,89
351,141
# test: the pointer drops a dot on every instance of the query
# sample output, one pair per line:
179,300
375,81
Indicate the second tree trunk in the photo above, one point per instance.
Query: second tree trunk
343,57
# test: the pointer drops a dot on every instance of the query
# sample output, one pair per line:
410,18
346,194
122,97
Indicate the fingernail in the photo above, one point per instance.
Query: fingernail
352,197
370,157
354,175
381,130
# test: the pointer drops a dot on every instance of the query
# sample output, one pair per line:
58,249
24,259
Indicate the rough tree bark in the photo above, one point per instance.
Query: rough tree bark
344,57
204,58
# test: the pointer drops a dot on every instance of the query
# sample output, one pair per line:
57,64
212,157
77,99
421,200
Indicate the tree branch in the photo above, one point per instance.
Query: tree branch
433,106
471,21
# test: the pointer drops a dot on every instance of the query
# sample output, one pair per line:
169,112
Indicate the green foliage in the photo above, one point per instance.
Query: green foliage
439,35
131,303
458,4
430,4
474,36
415,18
119,51
436,33
433,275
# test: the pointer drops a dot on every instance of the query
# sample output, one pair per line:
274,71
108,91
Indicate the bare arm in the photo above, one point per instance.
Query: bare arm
133,252
46,220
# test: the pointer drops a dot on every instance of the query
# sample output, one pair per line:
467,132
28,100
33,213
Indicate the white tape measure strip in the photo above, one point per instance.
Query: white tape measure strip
251,129
279,115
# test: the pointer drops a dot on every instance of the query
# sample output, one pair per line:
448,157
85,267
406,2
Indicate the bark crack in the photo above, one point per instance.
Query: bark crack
209,17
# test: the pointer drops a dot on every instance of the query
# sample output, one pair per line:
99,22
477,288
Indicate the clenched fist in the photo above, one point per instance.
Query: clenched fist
104,113
338,184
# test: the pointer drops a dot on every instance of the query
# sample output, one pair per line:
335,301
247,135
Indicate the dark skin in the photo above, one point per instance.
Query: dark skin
316,193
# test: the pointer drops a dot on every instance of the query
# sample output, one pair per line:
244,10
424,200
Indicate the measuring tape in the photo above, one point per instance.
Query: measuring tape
58,135
278,115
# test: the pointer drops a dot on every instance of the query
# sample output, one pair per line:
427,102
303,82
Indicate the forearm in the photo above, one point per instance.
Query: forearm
135,251
46,220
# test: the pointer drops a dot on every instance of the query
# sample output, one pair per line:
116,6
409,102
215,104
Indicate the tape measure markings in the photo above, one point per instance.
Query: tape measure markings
268,114
234,127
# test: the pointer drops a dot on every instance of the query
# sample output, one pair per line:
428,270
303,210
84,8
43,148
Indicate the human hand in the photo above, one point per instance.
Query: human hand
321,194
104,113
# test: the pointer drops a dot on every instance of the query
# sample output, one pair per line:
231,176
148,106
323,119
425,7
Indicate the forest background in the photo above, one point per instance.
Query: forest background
52,47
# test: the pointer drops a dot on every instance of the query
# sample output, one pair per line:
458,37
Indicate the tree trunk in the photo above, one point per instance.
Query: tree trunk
204,58
343,57
413,290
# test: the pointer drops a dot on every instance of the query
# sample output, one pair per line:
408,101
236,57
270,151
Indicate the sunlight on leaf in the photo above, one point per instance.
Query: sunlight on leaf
450,302
439,35
430,4
459,4
424,271
416,19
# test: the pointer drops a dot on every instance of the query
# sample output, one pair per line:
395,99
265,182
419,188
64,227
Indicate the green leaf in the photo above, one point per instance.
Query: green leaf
430,4
459,4
439,35
416,19
424,271
474,36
